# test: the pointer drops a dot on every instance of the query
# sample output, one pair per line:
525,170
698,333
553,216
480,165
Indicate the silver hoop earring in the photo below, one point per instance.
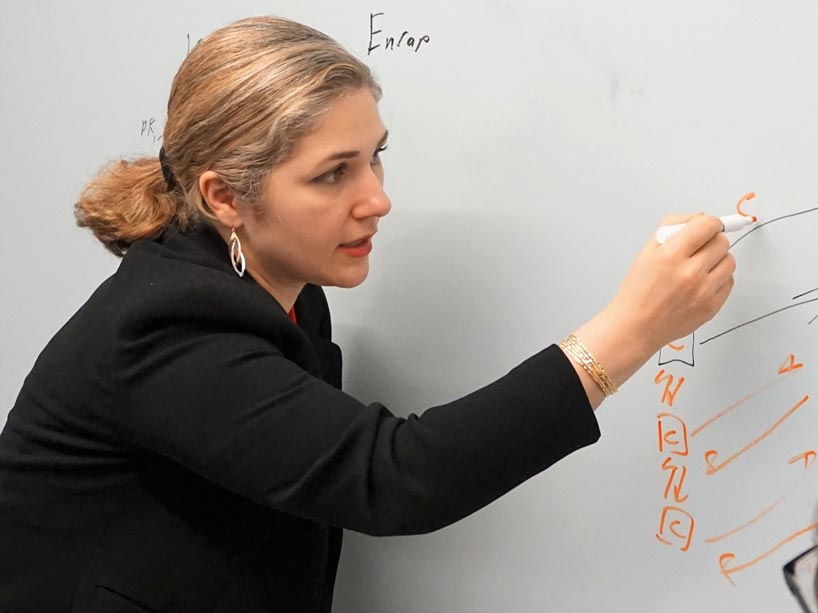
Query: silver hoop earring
236,255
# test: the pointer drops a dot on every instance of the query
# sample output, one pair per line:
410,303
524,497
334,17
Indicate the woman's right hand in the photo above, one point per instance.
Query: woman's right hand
673,288
670,290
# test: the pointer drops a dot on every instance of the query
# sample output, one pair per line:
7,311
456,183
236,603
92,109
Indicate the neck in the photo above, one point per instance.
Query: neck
284,296
285,292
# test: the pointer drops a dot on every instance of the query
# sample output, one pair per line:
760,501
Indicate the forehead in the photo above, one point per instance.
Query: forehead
352,123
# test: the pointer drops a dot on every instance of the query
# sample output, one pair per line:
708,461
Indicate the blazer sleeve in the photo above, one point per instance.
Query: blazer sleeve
230,407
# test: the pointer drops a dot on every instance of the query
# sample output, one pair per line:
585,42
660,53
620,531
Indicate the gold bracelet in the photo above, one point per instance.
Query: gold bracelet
574,347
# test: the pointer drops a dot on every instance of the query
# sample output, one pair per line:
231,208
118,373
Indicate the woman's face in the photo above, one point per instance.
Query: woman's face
321,207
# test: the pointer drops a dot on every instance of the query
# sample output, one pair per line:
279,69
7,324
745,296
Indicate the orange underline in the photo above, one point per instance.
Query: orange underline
735,405
791,537
753,443
715,539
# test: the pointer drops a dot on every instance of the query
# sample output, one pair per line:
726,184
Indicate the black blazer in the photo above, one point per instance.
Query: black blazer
181,446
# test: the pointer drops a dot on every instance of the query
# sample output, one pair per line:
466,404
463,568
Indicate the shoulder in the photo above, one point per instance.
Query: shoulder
176,290
182,286
189,273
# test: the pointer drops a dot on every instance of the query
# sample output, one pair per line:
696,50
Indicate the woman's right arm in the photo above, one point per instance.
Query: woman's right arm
231,409
202,382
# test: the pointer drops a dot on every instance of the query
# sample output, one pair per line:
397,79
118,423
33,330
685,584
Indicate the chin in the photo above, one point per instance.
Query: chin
346,274
348,284
349,281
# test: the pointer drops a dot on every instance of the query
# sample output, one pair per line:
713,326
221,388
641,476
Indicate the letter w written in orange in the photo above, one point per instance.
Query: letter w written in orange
668,395
675,481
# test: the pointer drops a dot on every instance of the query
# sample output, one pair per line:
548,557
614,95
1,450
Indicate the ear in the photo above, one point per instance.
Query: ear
220,198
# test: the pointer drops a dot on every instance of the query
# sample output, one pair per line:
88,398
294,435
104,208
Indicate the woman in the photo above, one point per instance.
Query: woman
182,443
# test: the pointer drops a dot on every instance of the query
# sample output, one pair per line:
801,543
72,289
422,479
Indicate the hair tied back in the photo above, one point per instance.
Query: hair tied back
170,180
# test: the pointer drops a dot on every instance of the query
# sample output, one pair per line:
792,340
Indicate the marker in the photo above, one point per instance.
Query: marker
730,223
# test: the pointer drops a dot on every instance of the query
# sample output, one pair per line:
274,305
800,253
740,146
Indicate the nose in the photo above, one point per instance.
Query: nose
372,200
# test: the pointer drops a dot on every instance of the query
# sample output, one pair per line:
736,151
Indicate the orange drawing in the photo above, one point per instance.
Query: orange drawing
673,434
676,347
678,525
789,365
747,524
673,485
741,201
737,404
711,454
807,456
668,396
726,558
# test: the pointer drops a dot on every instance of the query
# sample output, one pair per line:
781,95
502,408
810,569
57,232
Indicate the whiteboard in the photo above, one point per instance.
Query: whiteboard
534,148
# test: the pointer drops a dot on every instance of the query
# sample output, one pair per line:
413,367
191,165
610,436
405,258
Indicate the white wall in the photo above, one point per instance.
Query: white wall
534,147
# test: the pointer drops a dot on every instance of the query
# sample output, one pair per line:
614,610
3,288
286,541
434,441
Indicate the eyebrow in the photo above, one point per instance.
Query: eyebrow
345,155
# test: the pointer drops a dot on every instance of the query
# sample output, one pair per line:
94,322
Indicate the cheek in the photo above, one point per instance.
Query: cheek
308,230
324,231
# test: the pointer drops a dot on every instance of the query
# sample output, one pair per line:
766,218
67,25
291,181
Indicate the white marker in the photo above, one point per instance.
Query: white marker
730,223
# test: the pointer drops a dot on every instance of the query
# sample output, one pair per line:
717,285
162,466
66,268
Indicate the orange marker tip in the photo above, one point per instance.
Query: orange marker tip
755,219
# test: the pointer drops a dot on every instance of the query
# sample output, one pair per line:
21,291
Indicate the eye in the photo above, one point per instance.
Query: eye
331,177
376,157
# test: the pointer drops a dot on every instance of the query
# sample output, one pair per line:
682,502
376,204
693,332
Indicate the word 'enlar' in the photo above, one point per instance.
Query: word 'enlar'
391,43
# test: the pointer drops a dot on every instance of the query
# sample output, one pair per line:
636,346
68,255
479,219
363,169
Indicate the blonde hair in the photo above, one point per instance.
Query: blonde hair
239,103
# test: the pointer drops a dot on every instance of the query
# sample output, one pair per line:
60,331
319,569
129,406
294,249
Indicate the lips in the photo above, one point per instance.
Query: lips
354,244
357,248
360,242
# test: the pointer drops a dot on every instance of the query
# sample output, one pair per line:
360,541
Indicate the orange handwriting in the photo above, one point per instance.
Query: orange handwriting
711,454
806,455
789,365
672,433
668,396
737,404
672,484
741,201
726,558
679,523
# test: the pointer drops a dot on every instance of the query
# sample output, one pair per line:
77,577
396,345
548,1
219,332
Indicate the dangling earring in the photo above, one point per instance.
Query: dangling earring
236,255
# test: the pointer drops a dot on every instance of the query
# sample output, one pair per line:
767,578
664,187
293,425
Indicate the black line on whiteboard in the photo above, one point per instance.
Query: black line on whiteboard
804,294
766,223
689,362
752,321
813,319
